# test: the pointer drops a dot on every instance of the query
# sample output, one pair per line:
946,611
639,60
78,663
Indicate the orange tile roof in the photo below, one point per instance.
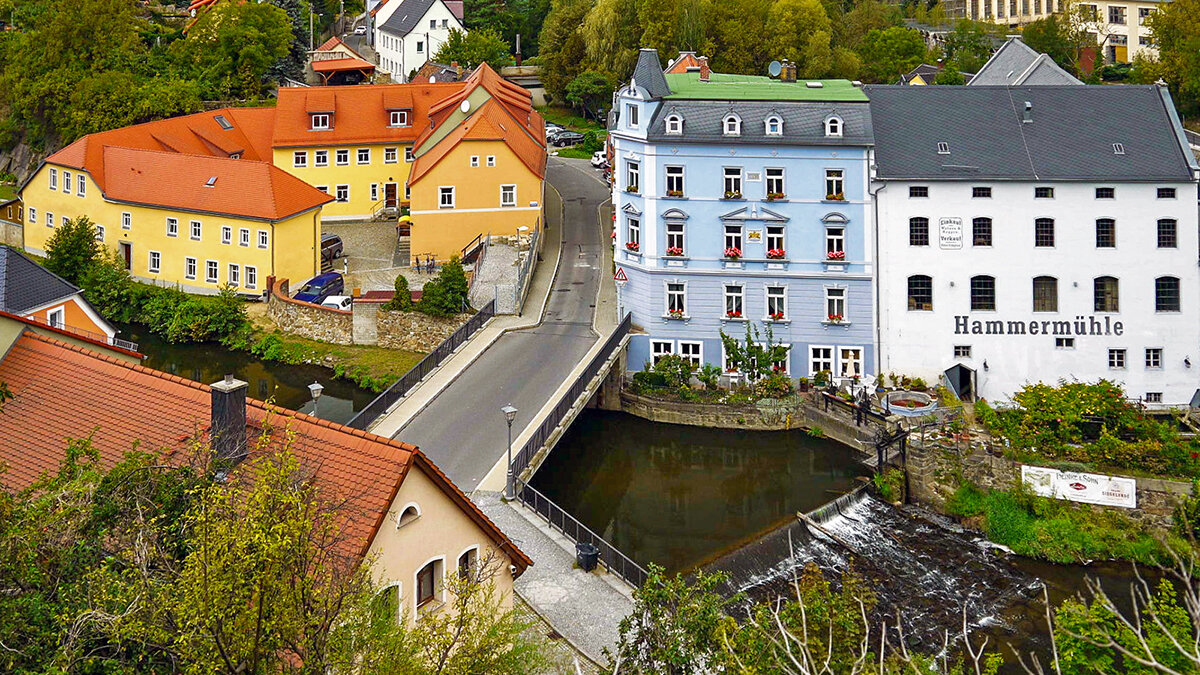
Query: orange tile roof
330,44
360,113
335,65
61,391
130,163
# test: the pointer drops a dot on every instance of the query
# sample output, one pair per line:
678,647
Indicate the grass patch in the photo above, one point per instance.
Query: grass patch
7,192
373,368
1057,530
574,153
566,117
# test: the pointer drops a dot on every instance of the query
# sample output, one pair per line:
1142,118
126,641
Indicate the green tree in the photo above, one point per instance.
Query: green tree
471,49
851,27
754,357
72,248
949,75
107,285
612,34
968,46
1176,28
402,300
445,294
734,41
889,53
590,92
660,21
792,25
233,46
561,45
1056,37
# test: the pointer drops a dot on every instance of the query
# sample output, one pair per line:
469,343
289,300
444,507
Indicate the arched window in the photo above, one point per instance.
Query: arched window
774,126
1166,294
833,126
408,514
1045,294
1106,233
429,582
983,293
1106,294
387,602
674,124
920,293
732,125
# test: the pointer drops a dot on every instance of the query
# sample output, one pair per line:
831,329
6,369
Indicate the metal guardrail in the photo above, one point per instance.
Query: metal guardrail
525,455
525,272
860,413
433,359
1192,137
616,562
90,335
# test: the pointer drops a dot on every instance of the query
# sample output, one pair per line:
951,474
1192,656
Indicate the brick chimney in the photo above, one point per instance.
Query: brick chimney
788,72
705,71
227,432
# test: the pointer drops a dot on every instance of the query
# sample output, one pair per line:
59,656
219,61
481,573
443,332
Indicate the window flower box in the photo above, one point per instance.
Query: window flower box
675,194
776,254
733,315
675,314
836,318
733,194
835,256
839,197
633,246
777,316
674,252
632,189
733,253
776,196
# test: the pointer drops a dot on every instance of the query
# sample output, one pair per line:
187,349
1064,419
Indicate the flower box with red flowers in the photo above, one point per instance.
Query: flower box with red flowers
675,251
775,196
777,316
733,315
733,194
675,194
674,313
839,197
633,246
733,253
776,254
836,256
836,318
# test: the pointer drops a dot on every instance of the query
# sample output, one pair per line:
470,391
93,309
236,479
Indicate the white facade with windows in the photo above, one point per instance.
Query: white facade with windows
407,33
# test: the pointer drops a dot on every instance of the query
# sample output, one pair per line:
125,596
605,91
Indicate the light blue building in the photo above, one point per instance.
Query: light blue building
745,199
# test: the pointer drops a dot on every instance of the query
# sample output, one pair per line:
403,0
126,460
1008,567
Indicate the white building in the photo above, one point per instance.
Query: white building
407,33
1035,234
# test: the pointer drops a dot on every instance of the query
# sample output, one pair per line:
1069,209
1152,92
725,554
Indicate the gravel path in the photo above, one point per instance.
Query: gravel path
497,279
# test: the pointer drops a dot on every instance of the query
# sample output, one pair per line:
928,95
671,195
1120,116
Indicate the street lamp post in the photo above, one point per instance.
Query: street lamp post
315,390
510,414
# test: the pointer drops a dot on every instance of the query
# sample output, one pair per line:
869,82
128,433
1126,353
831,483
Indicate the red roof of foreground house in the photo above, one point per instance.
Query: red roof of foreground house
167,163
360,114
61,391
336,65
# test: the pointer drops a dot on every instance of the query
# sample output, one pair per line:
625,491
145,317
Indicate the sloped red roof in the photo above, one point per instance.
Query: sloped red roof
360,113
336,65
62,391
489,122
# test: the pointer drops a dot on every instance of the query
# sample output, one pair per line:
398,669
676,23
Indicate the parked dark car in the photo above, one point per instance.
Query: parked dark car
331,247
568,138
316,289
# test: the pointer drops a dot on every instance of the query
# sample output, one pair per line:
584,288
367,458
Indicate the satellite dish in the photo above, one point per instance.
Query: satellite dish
774,68
465,107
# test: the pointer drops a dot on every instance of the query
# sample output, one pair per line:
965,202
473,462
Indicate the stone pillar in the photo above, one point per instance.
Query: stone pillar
365,326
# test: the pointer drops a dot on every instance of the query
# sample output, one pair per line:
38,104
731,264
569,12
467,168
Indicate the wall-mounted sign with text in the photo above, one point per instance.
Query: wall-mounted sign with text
1088,488
950,233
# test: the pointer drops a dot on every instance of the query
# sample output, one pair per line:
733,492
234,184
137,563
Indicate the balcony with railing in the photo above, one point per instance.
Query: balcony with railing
86,334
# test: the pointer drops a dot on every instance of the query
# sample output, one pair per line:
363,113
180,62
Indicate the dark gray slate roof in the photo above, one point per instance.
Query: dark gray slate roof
1016,63
803,122
406,16
1071,135
648,74
25,284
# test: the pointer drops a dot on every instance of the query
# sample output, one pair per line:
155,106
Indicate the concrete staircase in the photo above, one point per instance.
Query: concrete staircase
402,257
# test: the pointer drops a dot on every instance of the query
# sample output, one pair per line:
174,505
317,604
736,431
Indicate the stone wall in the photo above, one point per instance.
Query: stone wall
306,319
12,234
934,471
415,331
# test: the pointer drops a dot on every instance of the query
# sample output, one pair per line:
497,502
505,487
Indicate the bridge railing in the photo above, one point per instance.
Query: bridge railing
861,413
525,455
616,562
433,359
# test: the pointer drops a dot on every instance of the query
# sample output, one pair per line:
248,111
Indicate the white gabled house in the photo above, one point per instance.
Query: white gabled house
407,33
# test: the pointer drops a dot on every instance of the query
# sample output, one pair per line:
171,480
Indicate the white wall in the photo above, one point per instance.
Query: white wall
921,343
398,54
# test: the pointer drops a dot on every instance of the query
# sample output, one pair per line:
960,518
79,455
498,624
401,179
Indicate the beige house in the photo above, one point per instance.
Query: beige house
1120,27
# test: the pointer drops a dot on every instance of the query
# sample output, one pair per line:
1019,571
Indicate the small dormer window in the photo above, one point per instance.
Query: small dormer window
674,124
943,148
631,115
235,155
1118,148
833,127
398,118
732,125
320,121
774,126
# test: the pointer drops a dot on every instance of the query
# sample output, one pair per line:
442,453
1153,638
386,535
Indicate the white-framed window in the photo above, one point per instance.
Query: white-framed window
1154,397
775,239
732,176
820,358
660,348
733,237
833,127
631,115
777,302
674,125
154,265
172,227
633,233
235,275
1116,359
446,197
692,351
633,177
850,361
732,125
99,233
775,184
774,126
195,230
53,178
420,47
263,239
32,215
189,268
407,192
299,159
364,156
226,234
835,183
491,160
57,317
508,195
409,156
49,219
675,238
211,270
244,236
319,121
474,161
389,155
251,277
677,297
674,181
65,220
342,193
81,186
962,351
835,241
374,192
835,304
126,220
428,581
342,157
321,158
735,301
1154,357
398,118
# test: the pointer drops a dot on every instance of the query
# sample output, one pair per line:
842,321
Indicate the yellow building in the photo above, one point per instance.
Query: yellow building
183,201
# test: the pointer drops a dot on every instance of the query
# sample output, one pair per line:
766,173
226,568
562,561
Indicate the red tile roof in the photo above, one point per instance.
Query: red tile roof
360,113
337,65
61,391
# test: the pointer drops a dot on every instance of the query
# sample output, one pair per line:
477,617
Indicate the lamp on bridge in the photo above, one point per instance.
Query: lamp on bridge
315,390
510,414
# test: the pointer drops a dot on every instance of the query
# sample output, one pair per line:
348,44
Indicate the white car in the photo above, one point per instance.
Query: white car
360,30
599,159
338,302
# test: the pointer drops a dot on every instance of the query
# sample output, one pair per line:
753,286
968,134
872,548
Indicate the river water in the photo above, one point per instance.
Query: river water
208,362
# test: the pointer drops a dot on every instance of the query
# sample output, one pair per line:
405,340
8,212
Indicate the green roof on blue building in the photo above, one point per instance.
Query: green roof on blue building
727,87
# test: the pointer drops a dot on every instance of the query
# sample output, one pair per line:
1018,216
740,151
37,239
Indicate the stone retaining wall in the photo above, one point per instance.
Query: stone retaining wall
934,472
306,319
415,331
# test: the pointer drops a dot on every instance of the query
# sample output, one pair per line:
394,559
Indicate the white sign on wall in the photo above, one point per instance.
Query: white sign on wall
1088,488
950,233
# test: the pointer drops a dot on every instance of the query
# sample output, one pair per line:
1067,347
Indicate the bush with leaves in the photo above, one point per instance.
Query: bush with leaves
402,300
676,370
445,294
72,248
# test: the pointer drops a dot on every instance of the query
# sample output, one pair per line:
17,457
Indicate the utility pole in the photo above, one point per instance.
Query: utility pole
310,28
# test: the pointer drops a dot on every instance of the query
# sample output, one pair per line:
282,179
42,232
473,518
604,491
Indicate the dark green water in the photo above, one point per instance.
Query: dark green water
678,495
209,362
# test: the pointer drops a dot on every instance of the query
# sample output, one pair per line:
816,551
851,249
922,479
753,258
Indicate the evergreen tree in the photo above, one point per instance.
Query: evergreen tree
72,248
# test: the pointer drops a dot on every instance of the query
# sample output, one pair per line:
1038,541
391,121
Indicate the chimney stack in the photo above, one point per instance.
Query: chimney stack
227,431
705,71
1028,119
788,72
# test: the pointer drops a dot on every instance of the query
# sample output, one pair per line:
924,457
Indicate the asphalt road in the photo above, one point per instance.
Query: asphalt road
462,429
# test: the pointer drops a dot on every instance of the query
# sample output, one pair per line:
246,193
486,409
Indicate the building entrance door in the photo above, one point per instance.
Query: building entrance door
962,381
127,254
389,195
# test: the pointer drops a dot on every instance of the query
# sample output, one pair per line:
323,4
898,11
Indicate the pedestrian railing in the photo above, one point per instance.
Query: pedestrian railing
525,273
527,452
382,403
613,560
90,335
861,413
